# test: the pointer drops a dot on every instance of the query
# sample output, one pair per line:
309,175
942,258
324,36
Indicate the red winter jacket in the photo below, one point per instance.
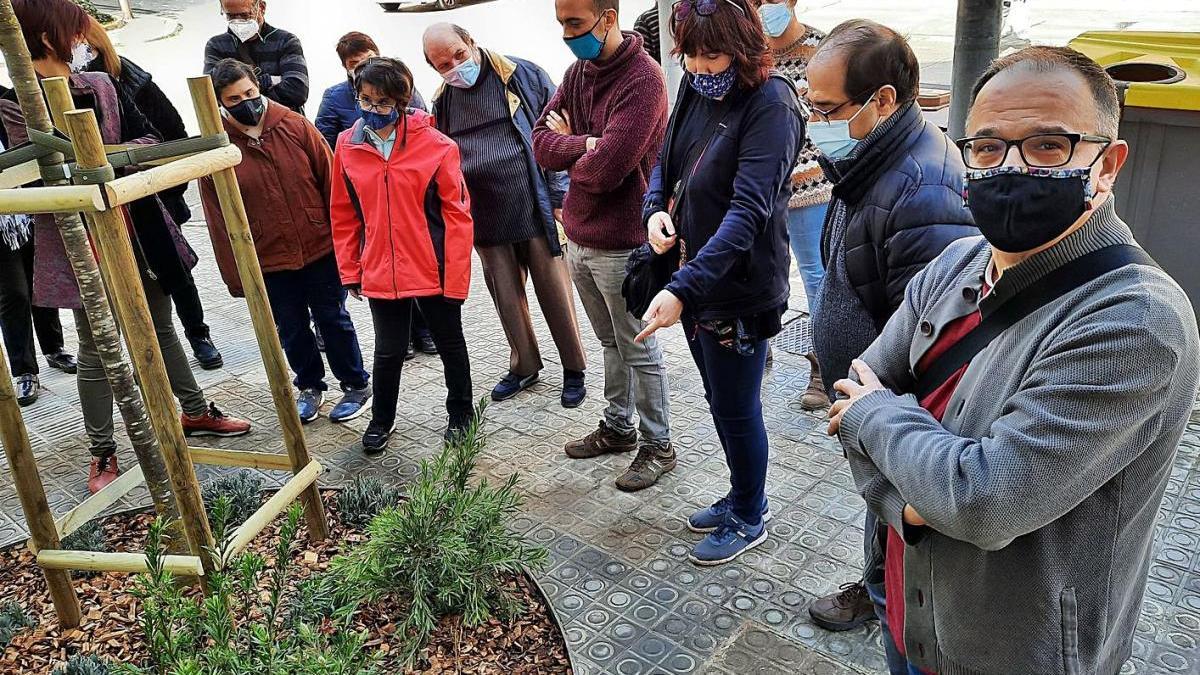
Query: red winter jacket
402,226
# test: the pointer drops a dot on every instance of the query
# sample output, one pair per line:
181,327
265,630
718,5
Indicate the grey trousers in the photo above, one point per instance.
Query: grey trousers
635,377
505,269
95,394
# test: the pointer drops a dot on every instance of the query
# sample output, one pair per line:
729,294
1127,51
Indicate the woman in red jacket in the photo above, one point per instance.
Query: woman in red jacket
402,233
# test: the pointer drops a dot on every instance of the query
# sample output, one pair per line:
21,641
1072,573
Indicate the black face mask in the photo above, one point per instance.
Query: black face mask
1019,209
248,112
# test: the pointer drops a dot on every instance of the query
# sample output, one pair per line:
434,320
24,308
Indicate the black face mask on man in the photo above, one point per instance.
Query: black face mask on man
1019,208
248,112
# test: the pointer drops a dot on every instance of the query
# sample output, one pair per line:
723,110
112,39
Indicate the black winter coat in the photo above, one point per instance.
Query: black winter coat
904,205
138,85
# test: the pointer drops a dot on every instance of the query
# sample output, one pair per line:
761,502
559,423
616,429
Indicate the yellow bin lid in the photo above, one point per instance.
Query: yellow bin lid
1162,68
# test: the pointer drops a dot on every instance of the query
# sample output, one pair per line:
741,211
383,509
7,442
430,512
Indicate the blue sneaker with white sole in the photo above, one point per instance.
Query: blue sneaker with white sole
732,538
710,518
308,404
353,403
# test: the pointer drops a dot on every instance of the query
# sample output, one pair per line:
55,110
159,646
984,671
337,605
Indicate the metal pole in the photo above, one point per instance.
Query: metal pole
666,44
976,44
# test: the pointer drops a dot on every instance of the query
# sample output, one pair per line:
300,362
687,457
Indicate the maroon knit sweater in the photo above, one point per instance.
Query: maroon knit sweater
623,102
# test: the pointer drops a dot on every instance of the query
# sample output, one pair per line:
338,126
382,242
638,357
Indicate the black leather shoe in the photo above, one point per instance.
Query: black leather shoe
27,390
206,353
63,361
424,343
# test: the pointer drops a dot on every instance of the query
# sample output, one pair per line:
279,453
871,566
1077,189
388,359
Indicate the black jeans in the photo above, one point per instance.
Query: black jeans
316,291
190,311
19,319
393,326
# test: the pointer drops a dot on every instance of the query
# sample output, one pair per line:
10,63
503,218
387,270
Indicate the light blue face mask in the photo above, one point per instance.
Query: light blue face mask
464,75
776,17
833,138
587,47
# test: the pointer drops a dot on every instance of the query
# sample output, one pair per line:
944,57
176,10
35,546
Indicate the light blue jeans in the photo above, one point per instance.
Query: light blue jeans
804,232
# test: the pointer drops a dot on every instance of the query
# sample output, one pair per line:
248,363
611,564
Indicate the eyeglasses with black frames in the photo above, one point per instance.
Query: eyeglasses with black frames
1043,151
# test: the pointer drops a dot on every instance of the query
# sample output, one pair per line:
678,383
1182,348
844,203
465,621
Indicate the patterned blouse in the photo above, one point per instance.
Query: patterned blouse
809,186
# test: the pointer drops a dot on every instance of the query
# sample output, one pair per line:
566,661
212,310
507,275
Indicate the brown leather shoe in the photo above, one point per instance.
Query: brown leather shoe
602,441
814,397
849,608
652,461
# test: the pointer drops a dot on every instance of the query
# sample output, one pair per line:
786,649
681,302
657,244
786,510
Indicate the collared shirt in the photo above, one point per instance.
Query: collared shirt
383,145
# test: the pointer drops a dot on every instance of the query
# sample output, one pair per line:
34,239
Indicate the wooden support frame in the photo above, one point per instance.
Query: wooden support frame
240,458
305,479
92,506
64,199
132,563
145,183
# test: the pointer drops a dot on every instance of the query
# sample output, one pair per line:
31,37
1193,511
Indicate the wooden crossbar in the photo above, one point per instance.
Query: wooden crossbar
241,458
92,506
151,181
59,199
132,563
290,491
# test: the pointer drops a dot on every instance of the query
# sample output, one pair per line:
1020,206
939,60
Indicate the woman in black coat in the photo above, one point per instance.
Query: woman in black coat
138,85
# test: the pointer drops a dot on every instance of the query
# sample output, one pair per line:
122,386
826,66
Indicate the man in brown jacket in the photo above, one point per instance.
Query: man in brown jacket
285,180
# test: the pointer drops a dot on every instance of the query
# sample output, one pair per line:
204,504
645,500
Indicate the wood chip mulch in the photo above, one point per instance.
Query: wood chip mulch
529,644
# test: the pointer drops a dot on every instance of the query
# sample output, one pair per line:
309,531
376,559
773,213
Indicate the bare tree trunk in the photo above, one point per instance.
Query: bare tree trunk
91,286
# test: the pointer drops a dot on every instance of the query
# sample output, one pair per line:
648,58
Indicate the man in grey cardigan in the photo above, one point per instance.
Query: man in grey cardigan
1021,493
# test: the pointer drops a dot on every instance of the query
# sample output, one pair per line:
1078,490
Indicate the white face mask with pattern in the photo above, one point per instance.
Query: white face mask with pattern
81,56
244,29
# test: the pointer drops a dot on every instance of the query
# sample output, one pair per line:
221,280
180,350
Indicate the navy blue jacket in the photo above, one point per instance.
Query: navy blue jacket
339,110
904,205
529,90
733,217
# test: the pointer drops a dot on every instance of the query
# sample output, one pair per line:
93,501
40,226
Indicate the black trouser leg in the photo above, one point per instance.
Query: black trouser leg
16,318
445,323
190,311
392,319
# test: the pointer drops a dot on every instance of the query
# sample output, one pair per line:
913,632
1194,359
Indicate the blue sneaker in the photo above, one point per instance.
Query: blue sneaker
511,385
353,403
709,519
308,404
732,538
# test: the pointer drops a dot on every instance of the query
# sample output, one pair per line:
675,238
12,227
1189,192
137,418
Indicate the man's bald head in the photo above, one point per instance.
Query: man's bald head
447,45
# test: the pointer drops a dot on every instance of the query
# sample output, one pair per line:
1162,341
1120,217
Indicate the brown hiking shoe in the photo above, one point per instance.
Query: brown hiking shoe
602,441
849,608
652,461
814,397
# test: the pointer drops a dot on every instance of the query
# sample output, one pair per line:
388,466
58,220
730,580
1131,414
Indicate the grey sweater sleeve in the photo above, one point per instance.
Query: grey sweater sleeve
1083,413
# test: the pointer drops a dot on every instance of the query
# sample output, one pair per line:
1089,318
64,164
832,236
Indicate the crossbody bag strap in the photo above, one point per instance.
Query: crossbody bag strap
1040,293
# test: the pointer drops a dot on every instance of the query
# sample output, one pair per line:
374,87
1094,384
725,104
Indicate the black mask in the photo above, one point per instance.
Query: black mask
1019,209
248,112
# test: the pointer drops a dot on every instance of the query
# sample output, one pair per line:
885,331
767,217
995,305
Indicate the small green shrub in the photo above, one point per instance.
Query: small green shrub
364,499
90,7
444,550
89,537
239,628
13,620
243,490
83,665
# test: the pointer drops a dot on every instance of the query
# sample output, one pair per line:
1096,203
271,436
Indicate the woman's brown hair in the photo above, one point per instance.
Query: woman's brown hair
59,20
725,31
97,37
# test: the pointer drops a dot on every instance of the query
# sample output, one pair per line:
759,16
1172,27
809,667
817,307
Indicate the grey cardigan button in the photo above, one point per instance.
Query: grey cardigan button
926,328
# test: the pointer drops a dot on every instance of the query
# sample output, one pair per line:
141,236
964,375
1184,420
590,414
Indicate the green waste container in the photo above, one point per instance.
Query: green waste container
1158,192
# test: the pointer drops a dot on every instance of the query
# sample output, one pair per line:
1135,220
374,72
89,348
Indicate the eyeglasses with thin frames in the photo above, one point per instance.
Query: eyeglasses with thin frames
824,114
371,106
1042,151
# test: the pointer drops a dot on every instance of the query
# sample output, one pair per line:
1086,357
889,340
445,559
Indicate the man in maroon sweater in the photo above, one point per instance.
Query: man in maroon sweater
604,127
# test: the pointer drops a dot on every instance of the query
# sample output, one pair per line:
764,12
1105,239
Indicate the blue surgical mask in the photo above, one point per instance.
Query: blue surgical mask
587,47
377,121
464,75
714,86
833,138
776,17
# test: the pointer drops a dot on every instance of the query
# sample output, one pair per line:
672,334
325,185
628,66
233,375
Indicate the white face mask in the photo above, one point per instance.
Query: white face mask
81,56
244,29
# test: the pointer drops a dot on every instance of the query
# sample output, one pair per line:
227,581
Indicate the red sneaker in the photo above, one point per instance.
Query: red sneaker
104,470
214,423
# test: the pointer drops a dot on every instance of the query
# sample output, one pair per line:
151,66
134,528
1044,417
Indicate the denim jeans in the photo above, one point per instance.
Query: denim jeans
733,389
316,291
804,232
635,377
393,325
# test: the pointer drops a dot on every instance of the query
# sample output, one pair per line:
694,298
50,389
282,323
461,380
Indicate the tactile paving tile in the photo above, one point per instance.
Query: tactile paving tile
618,575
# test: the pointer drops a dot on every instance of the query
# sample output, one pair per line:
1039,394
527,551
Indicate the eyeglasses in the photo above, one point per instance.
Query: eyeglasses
1043,151
825,114
683,8
371,106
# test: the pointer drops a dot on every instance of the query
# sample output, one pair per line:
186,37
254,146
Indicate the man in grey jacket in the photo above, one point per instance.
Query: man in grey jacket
1021,490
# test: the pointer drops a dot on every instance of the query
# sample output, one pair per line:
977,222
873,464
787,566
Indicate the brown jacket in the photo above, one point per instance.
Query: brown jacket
284,178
